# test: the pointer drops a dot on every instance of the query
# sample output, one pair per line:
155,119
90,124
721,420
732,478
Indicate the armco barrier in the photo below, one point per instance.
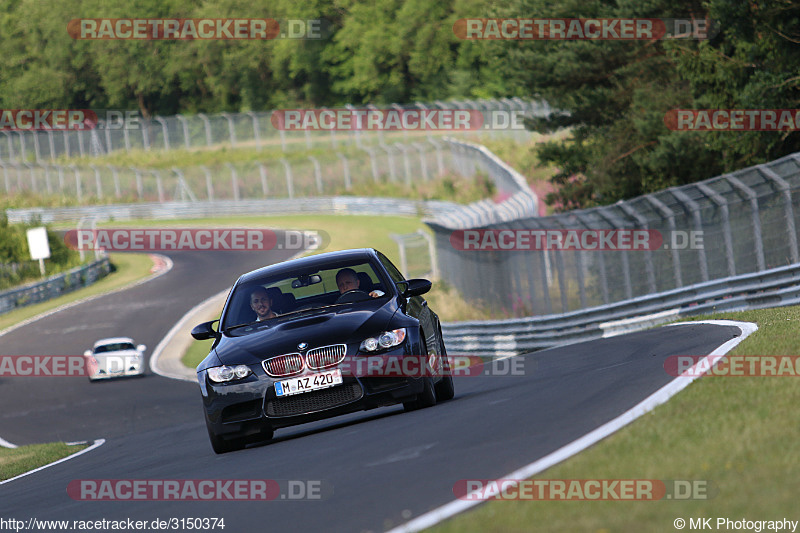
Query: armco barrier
268,207
771,288
54,286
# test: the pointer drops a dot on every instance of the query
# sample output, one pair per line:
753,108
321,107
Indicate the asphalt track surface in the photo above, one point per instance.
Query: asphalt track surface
378,468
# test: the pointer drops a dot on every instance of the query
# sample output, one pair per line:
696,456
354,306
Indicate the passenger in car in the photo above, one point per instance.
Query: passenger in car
347,280
261,303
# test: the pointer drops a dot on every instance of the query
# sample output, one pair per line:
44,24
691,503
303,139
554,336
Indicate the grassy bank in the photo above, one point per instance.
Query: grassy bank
738,433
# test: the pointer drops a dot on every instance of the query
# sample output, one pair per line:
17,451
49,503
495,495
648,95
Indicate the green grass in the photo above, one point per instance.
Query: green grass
739,433
16,461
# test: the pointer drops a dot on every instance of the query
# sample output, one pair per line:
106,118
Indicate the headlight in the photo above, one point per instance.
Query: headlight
387,339
221,374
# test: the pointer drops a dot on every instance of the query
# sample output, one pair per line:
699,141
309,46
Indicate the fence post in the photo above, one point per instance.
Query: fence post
390,157
159,185
406,163
422,163
97,181
207,126
287,168
616,223
185,128
231,129
718,199
262,170
648,255
751,195
5,176
346,169
209,183
256,132
667,213
317,174
47,182
786,191
183,186
139,182
115,176
52,143
78,191
22,152
164,131
234,181
684,199
439,157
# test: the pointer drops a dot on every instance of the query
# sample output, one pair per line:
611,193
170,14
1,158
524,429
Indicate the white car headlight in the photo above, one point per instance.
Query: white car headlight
387,339
221,374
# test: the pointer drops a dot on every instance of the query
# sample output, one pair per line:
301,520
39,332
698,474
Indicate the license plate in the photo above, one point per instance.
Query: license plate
323,380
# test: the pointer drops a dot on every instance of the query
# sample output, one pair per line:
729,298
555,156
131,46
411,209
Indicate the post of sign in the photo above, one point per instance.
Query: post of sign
38,245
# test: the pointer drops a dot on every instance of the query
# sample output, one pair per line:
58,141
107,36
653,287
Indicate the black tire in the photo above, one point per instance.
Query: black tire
445,390
428,396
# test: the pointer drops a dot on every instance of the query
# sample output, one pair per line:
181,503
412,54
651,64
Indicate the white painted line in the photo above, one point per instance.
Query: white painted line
5,444
174,331
96,444
663,394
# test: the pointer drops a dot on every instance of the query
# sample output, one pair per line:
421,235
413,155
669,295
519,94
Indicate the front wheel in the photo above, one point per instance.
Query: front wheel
428,396
445,390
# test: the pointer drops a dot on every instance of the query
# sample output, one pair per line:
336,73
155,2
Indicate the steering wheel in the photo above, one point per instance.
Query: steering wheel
353,295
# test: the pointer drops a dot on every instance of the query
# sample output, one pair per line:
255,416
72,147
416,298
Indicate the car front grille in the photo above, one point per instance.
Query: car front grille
325,356
309,402
283,365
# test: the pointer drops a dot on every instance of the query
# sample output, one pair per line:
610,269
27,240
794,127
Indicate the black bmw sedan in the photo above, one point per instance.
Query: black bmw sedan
294,339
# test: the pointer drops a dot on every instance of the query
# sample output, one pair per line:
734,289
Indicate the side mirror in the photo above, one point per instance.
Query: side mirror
204,331
87,353
414,287
141,348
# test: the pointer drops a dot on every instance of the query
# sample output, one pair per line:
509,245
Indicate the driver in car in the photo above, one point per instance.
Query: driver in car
347,280
261,303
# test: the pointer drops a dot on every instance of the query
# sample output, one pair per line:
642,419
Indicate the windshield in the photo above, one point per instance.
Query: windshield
114,347
287,294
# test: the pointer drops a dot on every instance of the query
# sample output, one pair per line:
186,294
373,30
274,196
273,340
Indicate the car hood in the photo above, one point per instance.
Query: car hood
337,325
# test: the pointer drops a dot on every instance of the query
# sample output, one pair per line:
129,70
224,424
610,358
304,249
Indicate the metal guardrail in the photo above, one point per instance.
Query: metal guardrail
54,286
275,206
771,288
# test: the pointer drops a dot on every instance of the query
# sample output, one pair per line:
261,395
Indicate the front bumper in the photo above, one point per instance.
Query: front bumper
248,406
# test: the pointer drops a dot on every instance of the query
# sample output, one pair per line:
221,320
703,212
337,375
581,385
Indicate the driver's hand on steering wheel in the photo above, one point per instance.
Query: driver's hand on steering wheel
376,294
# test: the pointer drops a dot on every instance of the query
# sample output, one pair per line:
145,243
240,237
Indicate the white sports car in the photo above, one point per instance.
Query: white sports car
115,357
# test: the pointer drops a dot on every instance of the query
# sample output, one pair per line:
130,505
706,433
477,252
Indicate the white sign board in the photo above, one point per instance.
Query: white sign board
37,243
